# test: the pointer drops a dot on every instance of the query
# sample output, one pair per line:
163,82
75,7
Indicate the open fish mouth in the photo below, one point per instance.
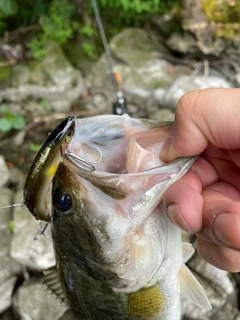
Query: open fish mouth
117,144
119,154
117,200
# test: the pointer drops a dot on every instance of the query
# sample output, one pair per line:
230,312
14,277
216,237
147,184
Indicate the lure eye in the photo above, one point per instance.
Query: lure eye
62,202
70,132
69,135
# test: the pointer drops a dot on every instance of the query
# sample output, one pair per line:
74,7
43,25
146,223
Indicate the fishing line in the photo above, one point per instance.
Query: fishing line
105,45
14,205
120,107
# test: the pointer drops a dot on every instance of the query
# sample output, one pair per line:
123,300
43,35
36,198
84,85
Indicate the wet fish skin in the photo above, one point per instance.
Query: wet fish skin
114,254
78,273
44,166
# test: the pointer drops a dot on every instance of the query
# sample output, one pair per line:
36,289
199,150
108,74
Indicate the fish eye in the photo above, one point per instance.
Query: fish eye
62,202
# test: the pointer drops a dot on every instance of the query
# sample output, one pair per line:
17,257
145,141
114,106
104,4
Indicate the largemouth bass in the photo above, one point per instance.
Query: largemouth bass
118,255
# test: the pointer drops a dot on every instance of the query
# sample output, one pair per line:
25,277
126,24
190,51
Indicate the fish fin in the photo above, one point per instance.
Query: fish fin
68,315
51,279
188,251
192,289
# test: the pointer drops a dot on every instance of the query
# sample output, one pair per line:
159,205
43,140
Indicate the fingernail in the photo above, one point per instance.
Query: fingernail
226,228
176,217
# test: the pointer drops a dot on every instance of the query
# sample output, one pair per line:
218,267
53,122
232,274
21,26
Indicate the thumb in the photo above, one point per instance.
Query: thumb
203,117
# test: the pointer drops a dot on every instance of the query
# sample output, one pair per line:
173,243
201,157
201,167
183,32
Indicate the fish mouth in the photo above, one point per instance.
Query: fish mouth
116,144
122,194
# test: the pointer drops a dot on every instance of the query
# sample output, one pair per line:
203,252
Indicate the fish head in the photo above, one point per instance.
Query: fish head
110,224
77,235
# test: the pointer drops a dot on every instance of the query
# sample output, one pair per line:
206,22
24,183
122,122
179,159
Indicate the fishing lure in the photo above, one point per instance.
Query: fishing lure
42,171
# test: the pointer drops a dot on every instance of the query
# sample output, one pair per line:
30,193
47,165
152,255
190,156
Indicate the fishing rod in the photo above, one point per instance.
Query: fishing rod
120,106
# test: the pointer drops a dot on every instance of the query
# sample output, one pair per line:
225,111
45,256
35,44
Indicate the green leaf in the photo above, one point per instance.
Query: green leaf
4,108
87,31
10,117
45,105
11,226
19,122
35,147
5,125
8,7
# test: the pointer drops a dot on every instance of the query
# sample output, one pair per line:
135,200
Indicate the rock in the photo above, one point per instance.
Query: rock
9,268
74,50
56,67
167,24
6,72
185,84
33,301
136,50
237,78
142,68
220,289
21,75
6,291
195,21
52,79
162,115
220,286
184,43
210,28
34,254
224,17
61,106
4,173
16,178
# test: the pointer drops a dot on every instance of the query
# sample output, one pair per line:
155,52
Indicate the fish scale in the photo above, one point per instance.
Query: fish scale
91,299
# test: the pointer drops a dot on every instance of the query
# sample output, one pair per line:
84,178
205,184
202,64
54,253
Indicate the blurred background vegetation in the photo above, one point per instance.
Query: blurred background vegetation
27,26
59,20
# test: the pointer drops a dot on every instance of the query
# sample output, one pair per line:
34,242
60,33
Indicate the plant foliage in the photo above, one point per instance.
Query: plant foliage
56,25
9,121
59,19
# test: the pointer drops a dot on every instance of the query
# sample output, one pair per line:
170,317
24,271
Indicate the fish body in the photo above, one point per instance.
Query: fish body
118,254
45,164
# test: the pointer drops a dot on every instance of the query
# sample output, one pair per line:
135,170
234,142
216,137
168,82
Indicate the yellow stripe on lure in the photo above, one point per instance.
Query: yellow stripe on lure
42,171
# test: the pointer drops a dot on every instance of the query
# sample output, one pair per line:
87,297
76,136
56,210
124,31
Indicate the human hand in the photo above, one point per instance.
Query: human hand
206,201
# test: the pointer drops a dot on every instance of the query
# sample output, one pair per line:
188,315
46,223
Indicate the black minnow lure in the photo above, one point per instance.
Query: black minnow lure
44,166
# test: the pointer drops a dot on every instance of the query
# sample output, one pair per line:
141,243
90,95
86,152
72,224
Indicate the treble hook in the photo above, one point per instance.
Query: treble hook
41,230
79,161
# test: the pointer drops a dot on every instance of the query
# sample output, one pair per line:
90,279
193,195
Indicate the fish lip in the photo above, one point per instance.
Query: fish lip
187,163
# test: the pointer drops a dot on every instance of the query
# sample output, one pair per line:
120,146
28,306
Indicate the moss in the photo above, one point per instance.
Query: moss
224,16
227,30
225,11
5,73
